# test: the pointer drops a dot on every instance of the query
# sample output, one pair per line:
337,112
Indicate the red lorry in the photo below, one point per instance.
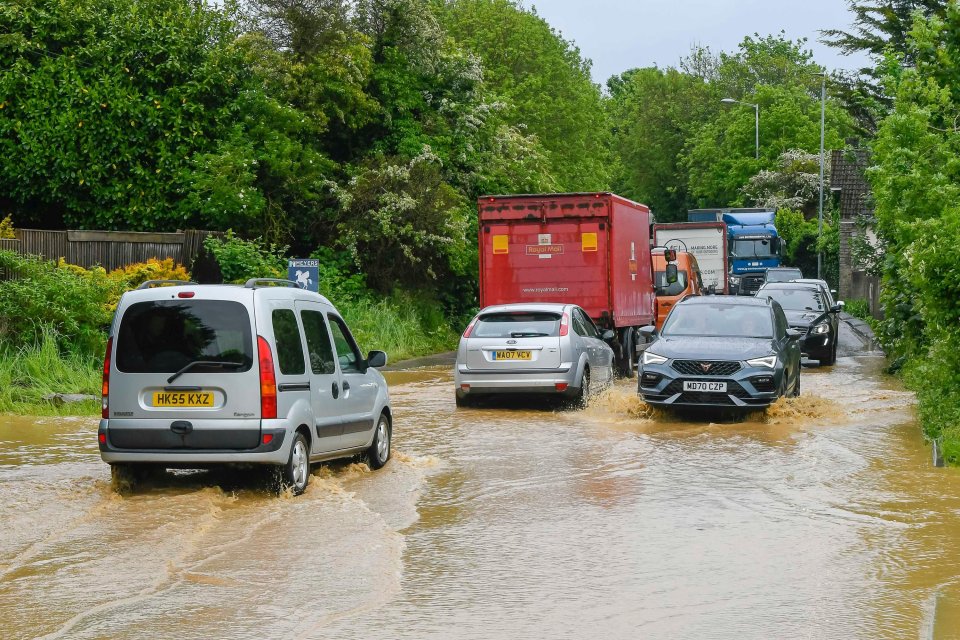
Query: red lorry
589,249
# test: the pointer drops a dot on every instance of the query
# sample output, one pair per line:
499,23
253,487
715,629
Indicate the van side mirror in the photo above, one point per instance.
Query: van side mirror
376,359
671,273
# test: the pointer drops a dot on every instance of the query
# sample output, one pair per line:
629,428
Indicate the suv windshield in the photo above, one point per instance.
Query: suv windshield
517,325
164,336
724,320
797,299
665,288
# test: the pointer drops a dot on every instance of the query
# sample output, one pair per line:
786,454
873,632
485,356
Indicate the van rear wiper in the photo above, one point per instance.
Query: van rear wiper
211,363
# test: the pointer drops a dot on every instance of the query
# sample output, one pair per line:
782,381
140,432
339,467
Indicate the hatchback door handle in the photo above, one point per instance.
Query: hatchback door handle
336,390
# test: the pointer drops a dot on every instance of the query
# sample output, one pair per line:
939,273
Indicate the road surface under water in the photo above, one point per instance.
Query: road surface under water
820,518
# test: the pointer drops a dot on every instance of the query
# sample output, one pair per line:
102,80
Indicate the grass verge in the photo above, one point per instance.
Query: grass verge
30,373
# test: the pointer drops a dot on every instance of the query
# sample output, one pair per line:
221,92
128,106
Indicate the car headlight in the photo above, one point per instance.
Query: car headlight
820,329
652,358
767,361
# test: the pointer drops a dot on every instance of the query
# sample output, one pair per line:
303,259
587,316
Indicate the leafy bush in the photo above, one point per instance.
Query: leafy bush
47,299
858,308
241,259
6,228
133,275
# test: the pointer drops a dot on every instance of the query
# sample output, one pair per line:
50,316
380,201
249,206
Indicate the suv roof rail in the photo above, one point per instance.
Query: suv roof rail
151,283
253,282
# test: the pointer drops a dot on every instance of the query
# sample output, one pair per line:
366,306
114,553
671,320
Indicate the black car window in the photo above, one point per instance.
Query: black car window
163,336
798,299
289,345
781,321
318,343
719,320
517,325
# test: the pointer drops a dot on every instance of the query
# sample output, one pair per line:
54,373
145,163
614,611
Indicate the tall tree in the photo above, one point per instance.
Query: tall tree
544,83
879,27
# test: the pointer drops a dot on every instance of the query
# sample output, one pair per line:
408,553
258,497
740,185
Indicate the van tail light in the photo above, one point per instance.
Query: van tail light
466,334
268,380
564,325
105,389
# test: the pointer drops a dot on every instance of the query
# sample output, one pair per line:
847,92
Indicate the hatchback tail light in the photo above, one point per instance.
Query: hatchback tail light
469,329
105,389
268,380
564,325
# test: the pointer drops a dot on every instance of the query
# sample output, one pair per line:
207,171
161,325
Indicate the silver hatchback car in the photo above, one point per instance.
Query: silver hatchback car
552,349
203,375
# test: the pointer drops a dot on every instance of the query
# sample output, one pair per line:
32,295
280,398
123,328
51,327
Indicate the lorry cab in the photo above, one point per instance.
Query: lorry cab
689,281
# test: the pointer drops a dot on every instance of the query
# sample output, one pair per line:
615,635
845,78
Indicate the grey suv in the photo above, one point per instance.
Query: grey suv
266,374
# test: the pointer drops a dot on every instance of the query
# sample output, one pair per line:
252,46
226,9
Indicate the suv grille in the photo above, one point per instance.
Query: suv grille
706,367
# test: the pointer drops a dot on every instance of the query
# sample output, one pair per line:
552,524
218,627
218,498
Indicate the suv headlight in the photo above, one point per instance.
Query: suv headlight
767,361
652,358
820,329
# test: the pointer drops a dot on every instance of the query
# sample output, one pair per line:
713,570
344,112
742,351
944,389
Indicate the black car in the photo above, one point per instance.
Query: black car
809,311
721,352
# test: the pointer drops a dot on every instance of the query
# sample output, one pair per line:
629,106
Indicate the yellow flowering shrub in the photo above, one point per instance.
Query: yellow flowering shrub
133,275
6,228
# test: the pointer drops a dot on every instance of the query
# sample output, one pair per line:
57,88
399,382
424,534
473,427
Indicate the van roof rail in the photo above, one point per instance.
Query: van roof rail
152,283
252,283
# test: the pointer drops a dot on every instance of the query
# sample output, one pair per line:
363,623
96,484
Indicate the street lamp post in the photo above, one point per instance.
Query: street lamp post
823,113
756,114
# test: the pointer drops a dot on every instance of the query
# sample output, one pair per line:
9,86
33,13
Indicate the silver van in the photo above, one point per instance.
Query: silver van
265,373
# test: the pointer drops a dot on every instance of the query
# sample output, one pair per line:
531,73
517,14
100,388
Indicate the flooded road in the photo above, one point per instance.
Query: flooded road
820,518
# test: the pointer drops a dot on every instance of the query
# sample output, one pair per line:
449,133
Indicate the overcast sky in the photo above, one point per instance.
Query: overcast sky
621,34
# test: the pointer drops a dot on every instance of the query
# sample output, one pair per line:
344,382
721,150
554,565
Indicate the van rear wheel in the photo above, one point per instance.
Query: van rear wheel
295,475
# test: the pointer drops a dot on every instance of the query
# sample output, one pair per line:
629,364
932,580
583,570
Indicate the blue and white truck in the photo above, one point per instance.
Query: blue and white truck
753,244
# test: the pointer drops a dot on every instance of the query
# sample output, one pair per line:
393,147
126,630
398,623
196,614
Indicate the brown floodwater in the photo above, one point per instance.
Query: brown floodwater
821,517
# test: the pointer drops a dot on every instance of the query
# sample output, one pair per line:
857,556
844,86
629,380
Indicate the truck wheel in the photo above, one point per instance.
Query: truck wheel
628,353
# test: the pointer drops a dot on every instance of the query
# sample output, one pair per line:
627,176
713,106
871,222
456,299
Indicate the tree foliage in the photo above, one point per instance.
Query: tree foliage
916,188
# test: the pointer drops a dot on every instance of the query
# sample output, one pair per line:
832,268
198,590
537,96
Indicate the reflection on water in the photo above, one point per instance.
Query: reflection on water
818,518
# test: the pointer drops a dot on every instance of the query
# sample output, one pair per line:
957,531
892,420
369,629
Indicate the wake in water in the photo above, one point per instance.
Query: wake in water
621,402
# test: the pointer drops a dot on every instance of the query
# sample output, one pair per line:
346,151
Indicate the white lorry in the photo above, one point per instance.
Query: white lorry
707,241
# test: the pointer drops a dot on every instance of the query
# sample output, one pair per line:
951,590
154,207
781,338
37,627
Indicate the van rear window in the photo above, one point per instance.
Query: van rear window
517,325
163,336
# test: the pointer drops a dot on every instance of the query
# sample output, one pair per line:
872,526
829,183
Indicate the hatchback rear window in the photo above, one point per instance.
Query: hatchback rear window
517,325
163,336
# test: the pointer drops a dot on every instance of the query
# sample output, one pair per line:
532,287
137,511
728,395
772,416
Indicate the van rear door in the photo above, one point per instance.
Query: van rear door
183,373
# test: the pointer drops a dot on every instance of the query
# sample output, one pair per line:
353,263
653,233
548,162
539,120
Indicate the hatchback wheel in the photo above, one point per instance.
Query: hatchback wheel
379,451
296,473
586,388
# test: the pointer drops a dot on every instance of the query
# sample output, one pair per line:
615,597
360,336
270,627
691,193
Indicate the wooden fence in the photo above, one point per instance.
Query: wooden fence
108,249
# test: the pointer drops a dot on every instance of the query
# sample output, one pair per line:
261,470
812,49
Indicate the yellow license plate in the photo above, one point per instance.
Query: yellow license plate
511,355
188,399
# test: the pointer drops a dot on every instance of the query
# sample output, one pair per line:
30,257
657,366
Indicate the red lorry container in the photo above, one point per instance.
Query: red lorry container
589,249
